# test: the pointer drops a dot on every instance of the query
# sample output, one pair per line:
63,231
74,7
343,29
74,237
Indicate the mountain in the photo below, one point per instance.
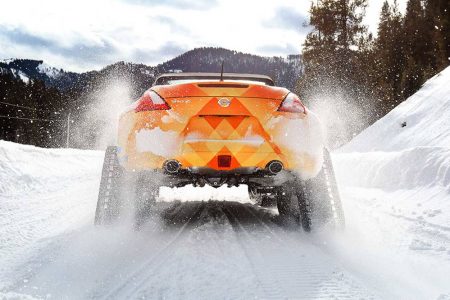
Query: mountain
26,69
285,71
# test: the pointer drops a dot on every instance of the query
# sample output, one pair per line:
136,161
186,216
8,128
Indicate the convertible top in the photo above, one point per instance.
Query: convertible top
168,77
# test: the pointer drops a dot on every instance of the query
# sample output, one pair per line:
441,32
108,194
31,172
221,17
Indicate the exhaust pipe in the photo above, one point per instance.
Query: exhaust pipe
274,167
172,166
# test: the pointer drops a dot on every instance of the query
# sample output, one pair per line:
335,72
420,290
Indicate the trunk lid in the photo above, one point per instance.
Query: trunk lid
220,89
222,125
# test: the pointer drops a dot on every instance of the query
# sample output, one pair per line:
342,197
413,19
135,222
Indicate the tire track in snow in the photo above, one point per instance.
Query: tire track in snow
255,259
421,222
136,281
285,273
270,290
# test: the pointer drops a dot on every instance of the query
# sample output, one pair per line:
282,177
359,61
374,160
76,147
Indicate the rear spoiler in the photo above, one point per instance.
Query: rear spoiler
166,78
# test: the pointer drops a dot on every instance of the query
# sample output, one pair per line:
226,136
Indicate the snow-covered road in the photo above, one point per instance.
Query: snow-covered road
208,249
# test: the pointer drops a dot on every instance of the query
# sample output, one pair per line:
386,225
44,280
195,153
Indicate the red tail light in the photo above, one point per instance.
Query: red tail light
292,104
151,101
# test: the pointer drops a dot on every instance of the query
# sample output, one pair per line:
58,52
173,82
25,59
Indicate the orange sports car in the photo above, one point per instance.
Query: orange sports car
222,129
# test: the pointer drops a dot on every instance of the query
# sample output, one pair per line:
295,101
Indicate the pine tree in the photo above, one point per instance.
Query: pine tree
335,56
436,13
417,44
337,29
389,57
444,9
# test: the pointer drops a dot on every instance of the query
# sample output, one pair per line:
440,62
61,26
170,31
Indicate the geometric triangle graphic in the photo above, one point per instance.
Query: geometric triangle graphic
213,121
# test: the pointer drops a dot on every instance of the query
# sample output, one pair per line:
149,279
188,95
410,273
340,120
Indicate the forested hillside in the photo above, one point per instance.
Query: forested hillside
363,76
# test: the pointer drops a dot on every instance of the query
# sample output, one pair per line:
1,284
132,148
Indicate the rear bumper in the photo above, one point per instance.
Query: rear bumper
200,161
295,142
304,165
212,177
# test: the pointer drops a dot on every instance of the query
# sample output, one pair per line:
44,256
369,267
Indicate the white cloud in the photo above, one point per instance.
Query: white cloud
82,35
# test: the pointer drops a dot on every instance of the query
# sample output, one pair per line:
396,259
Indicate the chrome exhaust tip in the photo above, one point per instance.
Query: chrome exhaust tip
274,167
172,166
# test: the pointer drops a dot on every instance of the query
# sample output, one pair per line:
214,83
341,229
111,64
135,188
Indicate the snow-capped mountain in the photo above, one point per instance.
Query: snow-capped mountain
49,70
27,69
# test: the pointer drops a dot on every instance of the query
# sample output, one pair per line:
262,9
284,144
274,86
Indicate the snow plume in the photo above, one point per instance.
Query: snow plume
98,126
341,116
343,109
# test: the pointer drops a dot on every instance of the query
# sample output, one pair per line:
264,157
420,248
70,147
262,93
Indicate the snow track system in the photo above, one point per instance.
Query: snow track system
309,204
108,204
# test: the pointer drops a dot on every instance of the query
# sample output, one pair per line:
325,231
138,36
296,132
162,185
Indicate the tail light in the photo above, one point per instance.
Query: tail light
151,101
292,104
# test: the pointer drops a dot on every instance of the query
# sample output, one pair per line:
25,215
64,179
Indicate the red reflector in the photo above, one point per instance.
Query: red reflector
224,161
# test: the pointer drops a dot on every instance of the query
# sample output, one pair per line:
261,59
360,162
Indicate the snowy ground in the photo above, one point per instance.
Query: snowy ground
208,249
215,244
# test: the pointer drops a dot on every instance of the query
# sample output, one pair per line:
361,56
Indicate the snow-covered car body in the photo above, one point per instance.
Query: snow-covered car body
207,124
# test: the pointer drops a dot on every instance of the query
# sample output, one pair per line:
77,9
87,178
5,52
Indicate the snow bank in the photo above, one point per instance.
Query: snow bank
25,168
43,193
395,185
422,120
408,169
407,154
408,148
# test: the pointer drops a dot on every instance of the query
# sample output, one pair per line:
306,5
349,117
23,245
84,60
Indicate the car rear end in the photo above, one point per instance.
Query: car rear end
211,127
221,131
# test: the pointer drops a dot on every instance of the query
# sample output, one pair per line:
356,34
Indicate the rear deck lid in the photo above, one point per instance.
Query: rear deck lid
220,89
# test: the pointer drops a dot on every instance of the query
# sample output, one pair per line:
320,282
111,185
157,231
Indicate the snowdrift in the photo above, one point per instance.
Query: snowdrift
25,168
407,152
408,148
422,120
407,169
43,193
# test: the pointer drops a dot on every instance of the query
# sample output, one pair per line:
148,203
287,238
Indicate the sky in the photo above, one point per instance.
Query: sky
81,35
